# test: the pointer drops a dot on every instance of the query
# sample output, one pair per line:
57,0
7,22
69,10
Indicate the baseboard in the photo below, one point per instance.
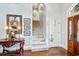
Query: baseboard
45,48
59,45
41,49
63,47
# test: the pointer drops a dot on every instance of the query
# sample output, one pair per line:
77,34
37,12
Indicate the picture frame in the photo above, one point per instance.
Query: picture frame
27,26
13,23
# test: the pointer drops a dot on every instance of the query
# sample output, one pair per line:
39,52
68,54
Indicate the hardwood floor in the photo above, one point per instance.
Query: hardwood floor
56,51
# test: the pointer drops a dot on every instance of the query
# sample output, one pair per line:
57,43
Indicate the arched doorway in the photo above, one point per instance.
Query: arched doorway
38,26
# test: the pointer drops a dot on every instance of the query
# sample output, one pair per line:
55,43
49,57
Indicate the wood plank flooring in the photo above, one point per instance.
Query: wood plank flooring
56,51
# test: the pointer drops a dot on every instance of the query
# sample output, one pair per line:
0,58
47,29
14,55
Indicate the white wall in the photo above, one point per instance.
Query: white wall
54,12
57,12
65,9
53,15
17,9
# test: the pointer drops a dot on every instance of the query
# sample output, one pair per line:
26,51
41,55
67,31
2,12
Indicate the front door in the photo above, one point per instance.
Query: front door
70,35
76,34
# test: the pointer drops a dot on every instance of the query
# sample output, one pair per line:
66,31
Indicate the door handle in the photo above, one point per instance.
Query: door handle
51,38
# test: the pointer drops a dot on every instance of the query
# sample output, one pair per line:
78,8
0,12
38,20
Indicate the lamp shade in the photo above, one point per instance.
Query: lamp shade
10,28
6,27
19,27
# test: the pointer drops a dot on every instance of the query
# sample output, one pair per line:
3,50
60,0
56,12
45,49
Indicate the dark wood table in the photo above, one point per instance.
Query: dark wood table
10,42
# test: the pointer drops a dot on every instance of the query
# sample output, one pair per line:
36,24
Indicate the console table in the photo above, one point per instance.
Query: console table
9,43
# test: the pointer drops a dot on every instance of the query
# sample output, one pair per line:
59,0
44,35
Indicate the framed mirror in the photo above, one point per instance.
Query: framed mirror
27,27
14,24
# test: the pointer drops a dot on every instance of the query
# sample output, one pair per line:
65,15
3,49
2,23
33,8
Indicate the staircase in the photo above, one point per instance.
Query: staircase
38,43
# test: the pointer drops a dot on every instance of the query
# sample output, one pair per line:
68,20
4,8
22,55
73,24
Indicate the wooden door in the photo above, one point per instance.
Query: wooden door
70,35
76,34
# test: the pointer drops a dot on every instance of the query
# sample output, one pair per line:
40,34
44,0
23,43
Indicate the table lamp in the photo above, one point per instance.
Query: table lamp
19,29
10,28
6,28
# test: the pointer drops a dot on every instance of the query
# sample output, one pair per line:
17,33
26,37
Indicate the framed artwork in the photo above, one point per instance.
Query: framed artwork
27,26
14,23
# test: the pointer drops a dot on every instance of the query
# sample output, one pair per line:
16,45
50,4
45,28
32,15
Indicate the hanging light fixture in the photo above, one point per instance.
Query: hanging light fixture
35,6
41,7
35,13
